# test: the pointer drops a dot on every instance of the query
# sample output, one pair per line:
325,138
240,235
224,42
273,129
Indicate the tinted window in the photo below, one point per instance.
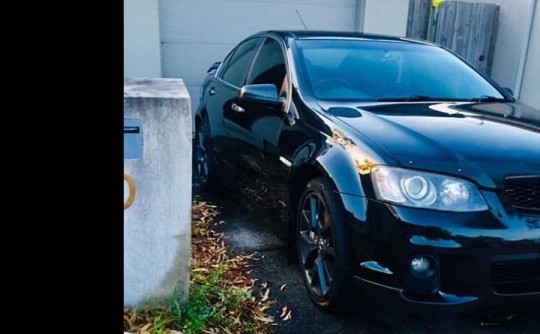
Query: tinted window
269,66
224,64
238,66
371,70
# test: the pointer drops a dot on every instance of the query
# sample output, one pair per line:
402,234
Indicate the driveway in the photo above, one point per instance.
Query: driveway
249,228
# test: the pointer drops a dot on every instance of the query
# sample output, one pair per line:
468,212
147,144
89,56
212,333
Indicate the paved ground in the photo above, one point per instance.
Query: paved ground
249,230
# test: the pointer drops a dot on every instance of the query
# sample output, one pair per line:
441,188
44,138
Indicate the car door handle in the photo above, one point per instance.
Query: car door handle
211,91
237,108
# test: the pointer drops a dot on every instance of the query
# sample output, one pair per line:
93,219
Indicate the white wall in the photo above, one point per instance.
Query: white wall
142,56
530,93
387,17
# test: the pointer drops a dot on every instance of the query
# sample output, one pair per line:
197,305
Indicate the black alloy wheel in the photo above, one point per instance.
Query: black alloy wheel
323,248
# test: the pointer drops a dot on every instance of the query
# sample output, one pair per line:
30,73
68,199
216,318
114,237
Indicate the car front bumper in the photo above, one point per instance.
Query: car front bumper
394,298
480,260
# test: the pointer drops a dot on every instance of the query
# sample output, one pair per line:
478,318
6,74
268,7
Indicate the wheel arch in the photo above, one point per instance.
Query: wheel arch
345,179
339,169
199,117
336,164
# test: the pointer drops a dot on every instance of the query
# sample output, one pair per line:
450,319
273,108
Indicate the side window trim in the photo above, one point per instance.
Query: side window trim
225,63
255,56
252,60
231,54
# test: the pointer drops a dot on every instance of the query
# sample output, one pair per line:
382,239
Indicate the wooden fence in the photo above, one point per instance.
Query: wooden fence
468,29
418,19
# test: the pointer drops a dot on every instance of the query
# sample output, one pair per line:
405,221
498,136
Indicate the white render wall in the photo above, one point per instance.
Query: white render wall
157,224
142,55
388,17
530,91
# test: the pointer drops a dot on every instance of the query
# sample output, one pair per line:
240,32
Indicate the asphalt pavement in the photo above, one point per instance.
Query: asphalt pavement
251,229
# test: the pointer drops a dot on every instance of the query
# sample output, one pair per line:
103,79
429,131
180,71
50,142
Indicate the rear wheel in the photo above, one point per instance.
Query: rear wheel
203,163
324,252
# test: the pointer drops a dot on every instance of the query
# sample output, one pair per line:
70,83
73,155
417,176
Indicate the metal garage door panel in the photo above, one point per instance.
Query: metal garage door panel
191,60
196,33
211,21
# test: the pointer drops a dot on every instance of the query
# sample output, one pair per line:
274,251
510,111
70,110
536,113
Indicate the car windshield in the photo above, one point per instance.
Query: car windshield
374,70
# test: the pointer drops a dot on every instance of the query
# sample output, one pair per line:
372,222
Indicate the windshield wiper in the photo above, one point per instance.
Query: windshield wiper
488,98
413,98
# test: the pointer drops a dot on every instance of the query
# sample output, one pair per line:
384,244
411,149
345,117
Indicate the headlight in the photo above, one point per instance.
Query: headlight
426,190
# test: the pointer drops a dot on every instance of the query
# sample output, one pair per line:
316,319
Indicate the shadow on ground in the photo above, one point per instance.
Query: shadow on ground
248,229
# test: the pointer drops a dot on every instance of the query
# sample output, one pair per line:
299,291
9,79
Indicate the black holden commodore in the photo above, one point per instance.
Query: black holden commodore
401,169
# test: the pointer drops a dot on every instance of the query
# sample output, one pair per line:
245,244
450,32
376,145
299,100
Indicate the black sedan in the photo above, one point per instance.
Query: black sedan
400,168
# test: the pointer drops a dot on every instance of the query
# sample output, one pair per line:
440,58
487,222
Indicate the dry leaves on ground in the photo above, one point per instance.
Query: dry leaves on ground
221,299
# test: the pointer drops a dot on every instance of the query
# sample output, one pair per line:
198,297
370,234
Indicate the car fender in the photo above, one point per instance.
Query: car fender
334,162
341,168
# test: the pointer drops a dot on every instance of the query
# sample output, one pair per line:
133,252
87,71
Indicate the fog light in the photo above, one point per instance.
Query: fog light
422,267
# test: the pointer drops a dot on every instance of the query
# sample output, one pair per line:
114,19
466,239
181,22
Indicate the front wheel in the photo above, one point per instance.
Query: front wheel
324,252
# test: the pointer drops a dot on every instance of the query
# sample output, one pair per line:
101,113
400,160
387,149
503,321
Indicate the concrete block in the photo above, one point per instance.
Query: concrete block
157,190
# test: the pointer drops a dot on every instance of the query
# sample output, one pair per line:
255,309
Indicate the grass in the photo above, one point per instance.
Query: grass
220,294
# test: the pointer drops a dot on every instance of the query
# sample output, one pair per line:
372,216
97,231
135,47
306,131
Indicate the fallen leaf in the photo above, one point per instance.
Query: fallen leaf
144,329
288,316
263,319
283,312
489,324
265,296
225,329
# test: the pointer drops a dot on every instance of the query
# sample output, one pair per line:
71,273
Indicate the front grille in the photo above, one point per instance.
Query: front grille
516,275
523,193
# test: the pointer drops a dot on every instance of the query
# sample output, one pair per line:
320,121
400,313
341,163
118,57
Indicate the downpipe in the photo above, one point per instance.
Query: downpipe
525,49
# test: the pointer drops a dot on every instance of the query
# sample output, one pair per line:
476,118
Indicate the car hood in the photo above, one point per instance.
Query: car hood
484,142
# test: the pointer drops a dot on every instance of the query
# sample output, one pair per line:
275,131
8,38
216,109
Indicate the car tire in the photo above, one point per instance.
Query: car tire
203,163
323,247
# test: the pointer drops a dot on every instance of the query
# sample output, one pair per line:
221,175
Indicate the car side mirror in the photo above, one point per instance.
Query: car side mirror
509,91
265,94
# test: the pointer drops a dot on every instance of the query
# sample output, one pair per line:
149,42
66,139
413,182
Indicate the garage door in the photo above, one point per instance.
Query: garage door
196,33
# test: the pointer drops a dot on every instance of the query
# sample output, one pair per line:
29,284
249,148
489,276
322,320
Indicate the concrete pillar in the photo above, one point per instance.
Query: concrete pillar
157,190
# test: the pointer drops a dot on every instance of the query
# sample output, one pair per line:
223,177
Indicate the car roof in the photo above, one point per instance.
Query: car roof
314,34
